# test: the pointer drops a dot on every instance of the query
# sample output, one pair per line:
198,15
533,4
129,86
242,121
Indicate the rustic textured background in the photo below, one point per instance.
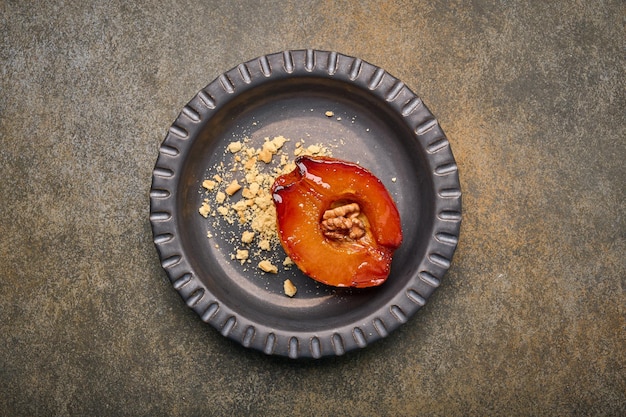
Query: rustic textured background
531,318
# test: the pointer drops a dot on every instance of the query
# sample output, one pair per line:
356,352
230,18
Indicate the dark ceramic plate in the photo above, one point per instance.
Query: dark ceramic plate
382,124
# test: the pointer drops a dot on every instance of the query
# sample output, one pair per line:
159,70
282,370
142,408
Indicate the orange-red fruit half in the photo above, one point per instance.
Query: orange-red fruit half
337,222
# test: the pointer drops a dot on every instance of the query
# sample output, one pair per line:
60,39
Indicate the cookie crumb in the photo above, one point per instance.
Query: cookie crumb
233,187
247,237
242,255
234,147
329,113
250,163
265,155
314,149
208,184
289,288
204,210
250,192
267,266
238,194
279,141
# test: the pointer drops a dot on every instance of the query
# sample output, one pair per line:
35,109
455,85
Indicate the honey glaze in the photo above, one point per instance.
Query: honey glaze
337,222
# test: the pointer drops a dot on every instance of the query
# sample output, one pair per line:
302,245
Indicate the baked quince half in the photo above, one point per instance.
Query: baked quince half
337,222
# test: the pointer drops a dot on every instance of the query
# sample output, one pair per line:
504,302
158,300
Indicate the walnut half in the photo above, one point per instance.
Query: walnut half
343,223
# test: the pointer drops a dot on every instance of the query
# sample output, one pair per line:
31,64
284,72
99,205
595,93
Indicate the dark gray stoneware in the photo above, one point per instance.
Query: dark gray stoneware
383,125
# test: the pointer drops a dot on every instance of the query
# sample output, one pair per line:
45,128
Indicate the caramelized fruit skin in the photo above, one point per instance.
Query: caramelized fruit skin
317,184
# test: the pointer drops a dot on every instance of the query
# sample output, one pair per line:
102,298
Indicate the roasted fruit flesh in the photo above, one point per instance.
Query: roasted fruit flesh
337,222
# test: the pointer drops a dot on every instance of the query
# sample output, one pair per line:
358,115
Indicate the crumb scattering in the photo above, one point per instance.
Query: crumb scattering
238,203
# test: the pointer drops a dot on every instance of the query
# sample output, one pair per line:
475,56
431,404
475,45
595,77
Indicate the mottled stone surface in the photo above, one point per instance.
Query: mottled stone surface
531,318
